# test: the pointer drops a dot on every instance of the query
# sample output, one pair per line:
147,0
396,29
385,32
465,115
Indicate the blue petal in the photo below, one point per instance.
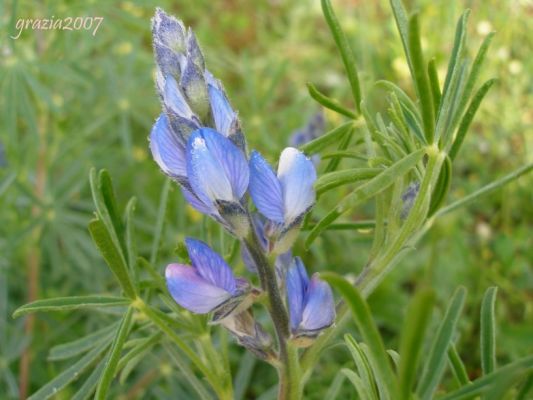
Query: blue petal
297,175
193,50
168,31
297,282
210,265
166,148
175,100
319,311
193,292
217,169
195,202
265,189
223,114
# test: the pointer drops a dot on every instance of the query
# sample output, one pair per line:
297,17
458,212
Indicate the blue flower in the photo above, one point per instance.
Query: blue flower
208,285
284,198
218,175
311,304
190,95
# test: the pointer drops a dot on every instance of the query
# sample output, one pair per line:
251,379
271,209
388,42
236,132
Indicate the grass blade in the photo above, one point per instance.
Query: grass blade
488,331
70,303
436,362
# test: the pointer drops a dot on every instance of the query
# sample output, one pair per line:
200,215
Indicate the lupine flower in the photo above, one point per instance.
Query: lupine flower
284,198
209,164
192,98
311,304
208,285
250,334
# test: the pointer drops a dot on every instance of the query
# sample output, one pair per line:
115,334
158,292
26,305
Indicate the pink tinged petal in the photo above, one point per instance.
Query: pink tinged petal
210,265
297,282
166,148
193,292
297,175
319,310
265,189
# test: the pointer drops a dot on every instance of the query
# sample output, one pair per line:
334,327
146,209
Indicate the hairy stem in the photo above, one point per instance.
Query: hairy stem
289,385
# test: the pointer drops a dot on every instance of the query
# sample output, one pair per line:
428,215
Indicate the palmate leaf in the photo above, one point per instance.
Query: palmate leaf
70,303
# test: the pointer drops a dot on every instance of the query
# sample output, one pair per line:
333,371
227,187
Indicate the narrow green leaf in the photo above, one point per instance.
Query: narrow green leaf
76,347
187,373
412,340
335,387
70,303
362,364
346,226
345,50
474,72
400,15
160,221
442,187
458,45
89,386
131,249
131,359
327,139
485,383
328,102
344,154
434,83
68,375
526,388
105,186
343,145
488,331
114,355
367,328
421,79
357,382
491,187
112,255
464,125
436,360
338,178
243,375
366,191
457,366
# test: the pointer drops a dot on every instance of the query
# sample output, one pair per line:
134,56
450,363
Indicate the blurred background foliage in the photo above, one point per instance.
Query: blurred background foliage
70,100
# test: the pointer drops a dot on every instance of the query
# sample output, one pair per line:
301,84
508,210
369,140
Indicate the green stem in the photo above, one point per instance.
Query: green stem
289,383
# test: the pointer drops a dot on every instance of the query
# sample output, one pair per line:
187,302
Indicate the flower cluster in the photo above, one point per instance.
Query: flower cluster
198,141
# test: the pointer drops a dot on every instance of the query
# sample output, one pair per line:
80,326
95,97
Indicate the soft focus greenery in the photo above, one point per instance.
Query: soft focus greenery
70,101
